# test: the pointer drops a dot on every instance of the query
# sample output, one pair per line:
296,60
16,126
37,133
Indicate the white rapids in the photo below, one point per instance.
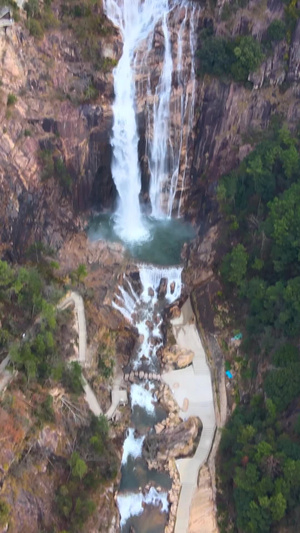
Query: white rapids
133,504
142,309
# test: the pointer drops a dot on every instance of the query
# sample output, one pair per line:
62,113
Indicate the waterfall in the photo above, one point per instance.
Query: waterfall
150,73
135,21
161,128
191,98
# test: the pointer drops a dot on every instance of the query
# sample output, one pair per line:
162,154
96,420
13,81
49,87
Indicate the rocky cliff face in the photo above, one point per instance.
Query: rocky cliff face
227,113
64,107
62,113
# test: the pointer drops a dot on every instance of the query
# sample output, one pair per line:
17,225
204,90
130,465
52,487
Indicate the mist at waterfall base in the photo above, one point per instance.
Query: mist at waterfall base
163,245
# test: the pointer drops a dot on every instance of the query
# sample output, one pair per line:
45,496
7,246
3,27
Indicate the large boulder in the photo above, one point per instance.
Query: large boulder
174,356
172,442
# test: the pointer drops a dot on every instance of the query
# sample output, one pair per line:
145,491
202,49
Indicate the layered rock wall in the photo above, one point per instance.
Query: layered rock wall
62,105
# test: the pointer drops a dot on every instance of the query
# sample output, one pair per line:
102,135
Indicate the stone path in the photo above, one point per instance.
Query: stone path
203,515
193,384
119,396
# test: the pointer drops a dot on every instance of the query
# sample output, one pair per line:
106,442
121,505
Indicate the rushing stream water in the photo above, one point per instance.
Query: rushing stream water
143,490
167,93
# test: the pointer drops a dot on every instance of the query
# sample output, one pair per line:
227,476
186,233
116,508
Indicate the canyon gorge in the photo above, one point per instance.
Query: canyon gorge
114,139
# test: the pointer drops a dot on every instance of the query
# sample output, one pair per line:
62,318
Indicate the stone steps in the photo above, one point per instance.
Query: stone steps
142,376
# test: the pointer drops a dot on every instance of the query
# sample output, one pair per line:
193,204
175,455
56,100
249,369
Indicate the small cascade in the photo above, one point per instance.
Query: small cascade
161,128
190,103
144,311
142,306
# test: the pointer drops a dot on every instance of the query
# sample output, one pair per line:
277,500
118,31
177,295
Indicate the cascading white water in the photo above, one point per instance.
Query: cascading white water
143,311
170,126
137,21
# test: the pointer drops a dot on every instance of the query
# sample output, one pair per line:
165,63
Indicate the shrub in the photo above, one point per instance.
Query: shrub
234,266
46,159
11,99
4,513
35,28
32,8
235,58
248,57
285,356
276,30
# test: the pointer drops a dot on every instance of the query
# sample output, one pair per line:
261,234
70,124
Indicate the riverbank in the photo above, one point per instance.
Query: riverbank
194,391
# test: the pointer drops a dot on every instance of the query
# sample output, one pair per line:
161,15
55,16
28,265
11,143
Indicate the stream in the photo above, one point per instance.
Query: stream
153,238
143,492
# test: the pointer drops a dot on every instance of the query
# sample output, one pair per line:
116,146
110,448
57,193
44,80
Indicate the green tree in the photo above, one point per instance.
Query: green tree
72,377
215,56
248,56
78,466
278,507
32,8
284,219
276,30
234,266
81,272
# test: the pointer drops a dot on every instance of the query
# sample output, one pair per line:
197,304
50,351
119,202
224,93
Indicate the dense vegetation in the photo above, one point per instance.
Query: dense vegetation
259,463
233,58
39,340
92,462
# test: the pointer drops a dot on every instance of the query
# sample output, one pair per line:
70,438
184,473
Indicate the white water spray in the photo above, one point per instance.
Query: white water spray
142,310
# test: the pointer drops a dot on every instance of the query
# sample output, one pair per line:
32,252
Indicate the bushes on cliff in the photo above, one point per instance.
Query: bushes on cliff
53,166
4,513
234,58
92,463
262,196
276,31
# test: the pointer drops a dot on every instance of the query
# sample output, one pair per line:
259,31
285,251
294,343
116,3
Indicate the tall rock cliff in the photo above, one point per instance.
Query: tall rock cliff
55,152
55,129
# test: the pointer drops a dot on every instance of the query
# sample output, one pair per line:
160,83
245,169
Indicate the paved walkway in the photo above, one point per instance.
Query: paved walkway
118,396
192,383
